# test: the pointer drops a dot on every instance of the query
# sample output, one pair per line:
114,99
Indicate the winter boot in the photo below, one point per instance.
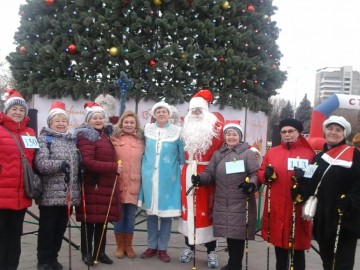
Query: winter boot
128,245
120,245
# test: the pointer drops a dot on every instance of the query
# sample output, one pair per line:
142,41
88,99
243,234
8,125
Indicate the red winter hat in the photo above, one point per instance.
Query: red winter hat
12,97
235,125
57,107
91,108
201,100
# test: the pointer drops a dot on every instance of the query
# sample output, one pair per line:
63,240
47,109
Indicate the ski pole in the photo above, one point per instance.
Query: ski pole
247,180
337,236
270,179
85,223
107,216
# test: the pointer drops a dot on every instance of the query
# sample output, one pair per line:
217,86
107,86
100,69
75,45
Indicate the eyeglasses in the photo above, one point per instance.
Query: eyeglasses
290,131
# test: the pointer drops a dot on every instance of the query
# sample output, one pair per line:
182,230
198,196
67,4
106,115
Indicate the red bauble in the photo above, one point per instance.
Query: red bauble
251,8
72,48
22,50
221,58
152,62
49,2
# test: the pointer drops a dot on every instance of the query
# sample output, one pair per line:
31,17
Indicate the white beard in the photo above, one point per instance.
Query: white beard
197,133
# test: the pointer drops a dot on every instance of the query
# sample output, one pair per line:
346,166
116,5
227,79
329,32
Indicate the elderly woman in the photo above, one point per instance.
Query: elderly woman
13,199
58,162
101,170
282,169
160,190
229,168
337,176
128,140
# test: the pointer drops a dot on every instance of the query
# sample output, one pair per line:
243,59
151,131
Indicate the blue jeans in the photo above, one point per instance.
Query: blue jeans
127,222
158,239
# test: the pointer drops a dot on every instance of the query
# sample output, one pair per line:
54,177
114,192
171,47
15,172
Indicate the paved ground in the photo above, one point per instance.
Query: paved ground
256,256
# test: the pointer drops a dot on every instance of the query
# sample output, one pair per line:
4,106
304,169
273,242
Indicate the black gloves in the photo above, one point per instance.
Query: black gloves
65,168
195,179
247,188
298,175
296,194
343,203
269,174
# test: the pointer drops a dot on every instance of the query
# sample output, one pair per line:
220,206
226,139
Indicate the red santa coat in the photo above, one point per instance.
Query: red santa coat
281,202
204,195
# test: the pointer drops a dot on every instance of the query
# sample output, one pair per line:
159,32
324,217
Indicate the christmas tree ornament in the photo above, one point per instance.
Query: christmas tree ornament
113,51
157,2
221,58
72,49
225,5
152,62
124,83
251,8
22,50
49,2
184,55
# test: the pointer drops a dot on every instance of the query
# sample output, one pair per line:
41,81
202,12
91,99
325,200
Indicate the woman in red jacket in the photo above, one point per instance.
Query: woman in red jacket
285,161
98,160
13,199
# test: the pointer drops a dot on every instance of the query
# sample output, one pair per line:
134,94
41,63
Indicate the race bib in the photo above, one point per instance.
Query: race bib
235,166
297,162
30,141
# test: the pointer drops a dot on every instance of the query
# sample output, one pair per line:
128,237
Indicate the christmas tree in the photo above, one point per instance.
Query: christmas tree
168,48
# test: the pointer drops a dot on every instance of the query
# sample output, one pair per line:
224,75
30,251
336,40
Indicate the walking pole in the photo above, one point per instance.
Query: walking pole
107,215
85,222
292,236
247,180
68,201
337,236
194,209
270,179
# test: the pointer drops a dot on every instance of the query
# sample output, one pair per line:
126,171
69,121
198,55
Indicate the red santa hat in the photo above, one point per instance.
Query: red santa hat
57,107
201,100
12,98
91,108
235,125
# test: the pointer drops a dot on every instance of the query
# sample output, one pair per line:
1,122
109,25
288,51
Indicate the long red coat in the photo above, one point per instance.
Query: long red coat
204,198
12,191
98,159
281,203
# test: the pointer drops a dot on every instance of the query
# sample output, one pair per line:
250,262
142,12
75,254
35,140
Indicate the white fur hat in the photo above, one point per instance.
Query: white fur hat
341,121
161,104
57,107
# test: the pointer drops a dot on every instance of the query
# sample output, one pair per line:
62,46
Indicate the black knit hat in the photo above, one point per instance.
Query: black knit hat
291,123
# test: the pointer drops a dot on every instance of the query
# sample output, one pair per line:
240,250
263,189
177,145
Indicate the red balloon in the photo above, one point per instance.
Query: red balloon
152,63
72,49
49,2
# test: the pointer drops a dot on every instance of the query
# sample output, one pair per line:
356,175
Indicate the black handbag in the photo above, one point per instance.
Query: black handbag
32,182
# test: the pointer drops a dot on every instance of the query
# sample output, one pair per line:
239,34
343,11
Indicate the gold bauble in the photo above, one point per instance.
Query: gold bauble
225,5
157,2
113,51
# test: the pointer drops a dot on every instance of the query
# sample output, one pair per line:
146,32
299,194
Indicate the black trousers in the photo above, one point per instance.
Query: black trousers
52,226
345,254
93,232
11,228
283,259
236,253
210,246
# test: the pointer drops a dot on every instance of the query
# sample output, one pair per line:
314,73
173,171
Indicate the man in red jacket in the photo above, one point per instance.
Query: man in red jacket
202,135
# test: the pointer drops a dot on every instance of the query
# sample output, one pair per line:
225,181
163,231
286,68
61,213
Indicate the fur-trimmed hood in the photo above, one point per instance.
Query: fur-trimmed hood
91,133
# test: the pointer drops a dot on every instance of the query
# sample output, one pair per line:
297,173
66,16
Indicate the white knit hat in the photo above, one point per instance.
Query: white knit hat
234,124
91,108
161,104
57,107
12,97
341,121
201,100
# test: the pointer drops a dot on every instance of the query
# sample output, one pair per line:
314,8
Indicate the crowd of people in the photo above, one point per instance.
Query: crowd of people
203,173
